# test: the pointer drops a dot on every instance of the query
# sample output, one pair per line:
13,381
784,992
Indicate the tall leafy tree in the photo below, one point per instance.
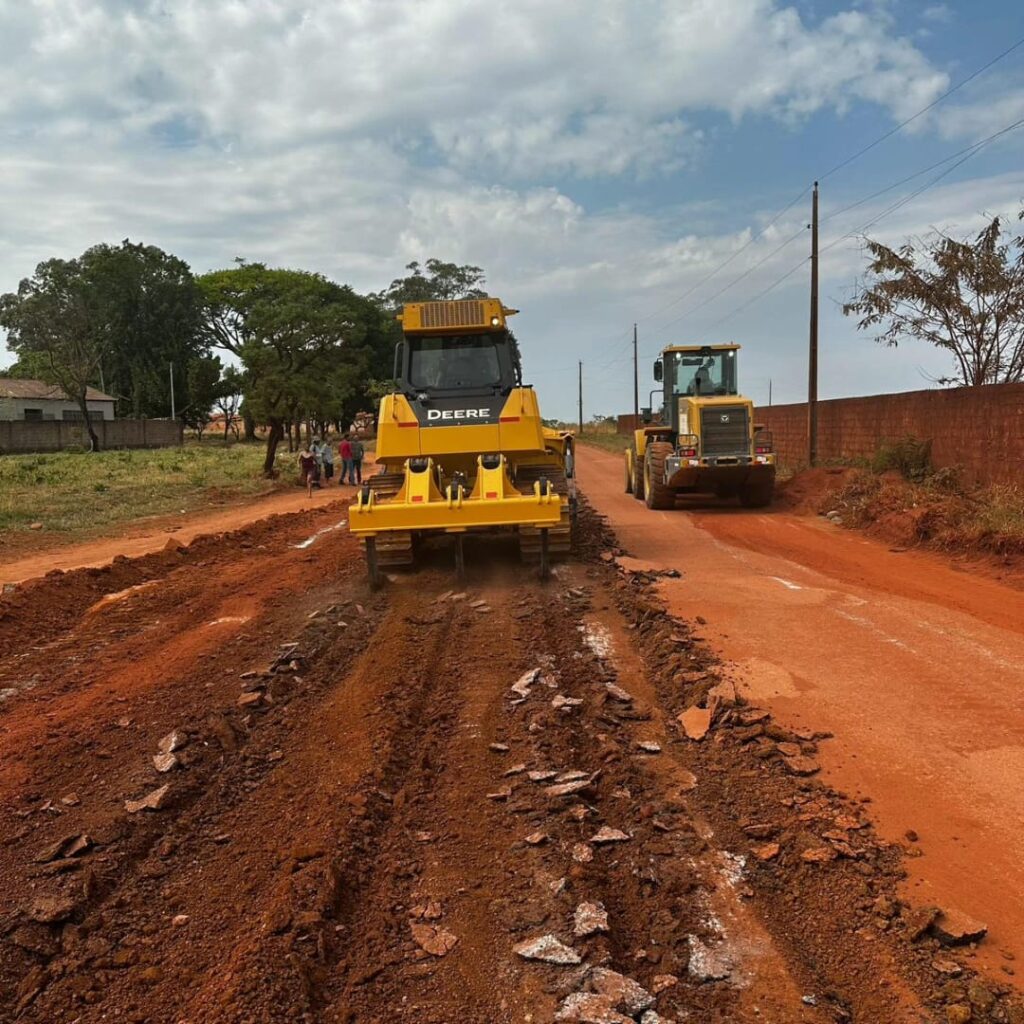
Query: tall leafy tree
59,321
155,317
305,343
964,296
432,281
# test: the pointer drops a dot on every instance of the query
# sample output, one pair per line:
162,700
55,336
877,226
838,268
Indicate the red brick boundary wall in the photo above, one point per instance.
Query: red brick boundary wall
979,429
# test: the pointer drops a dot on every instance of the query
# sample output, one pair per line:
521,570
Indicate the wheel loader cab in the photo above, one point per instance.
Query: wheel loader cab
707,441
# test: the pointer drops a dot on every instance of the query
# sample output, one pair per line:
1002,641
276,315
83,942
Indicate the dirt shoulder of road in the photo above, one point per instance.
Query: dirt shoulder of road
977,530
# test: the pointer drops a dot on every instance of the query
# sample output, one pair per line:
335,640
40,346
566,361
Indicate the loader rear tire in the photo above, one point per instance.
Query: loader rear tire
638,479
657,494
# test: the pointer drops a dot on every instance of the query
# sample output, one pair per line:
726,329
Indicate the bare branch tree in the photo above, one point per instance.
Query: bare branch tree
965,297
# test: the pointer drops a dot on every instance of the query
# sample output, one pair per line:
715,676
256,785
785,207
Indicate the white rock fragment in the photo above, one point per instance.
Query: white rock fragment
651,1017
572,776
560,701
649,746
582,853
590,1008
588,919
567,788
541,776
707,964
548,949
173,741
521,687
609,835
164,762
619,694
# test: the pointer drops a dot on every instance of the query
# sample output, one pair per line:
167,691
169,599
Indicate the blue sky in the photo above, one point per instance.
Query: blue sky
599,158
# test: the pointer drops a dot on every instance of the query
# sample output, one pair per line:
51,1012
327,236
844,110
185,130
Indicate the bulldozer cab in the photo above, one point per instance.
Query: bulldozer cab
456,350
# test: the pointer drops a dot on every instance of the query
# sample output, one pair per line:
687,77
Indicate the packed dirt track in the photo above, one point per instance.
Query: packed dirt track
402,805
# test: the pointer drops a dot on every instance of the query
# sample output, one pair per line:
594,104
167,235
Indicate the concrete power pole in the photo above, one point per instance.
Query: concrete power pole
173,414
812,362
581,397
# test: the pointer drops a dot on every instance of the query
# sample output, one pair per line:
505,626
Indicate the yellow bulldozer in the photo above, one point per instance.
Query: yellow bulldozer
708,442
460,444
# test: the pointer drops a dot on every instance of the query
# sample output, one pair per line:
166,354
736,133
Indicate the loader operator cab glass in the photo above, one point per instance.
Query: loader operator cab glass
454,362
704,373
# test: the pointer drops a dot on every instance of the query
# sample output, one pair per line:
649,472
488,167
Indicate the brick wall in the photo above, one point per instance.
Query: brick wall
56,435
978,429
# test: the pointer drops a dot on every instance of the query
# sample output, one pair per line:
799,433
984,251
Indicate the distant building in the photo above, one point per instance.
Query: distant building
33,400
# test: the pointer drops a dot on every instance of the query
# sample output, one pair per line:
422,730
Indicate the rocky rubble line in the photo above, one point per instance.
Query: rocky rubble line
825,828
56,929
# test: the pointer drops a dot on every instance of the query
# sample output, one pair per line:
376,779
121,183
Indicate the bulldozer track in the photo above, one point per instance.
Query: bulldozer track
560,536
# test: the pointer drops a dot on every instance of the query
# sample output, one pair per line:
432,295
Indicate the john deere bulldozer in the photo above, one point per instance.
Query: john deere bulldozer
708,442
460,444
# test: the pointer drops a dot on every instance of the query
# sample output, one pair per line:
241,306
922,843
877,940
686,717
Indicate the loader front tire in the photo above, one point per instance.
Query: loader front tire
657,494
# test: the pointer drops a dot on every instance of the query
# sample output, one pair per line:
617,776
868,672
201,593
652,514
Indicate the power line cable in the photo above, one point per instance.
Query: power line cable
924,110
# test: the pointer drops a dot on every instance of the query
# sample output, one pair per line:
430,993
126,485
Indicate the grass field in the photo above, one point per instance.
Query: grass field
82,495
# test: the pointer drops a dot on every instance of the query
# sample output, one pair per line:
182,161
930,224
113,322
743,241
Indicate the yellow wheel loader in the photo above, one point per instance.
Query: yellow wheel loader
708,442
460,444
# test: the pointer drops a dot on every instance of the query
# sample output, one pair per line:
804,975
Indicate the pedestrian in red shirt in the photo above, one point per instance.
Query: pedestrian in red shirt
347,465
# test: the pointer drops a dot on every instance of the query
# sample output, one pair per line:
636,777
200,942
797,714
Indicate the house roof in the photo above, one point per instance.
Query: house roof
14,387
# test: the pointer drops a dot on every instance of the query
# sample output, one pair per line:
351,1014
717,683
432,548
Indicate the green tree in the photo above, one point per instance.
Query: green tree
306,344
205,386
441,281
58,320
155,310
965,297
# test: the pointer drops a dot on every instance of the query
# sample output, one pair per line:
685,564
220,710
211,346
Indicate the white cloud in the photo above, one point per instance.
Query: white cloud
351,137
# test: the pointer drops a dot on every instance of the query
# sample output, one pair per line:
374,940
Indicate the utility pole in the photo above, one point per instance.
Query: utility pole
636,386
173,414
581,397
812,362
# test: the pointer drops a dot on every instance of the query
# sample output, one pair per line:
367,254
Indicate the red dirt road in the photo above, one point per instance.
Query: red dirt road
148,536
379,802
916,667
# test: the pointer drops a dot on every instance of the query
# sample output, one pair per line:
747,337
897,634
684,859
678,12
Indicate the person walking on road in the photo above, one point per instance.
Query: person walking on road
327,454
357,460
345,451
317,449
307,469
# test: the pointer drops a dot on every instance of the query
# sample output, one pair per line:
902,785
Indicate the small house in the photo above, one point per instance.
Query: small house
34,400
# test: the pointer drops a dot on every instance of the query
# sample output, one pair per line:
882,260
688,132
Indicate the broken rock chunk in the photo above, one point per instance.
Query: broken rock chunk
695,722
582,853
567,788
434,940
619,694
536,838
560,701
154,801
50,909
165,762
954,928
707,964
548,949
649,746
590,1008
801,765
521,687
173,741
627,995
609,835
589,919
